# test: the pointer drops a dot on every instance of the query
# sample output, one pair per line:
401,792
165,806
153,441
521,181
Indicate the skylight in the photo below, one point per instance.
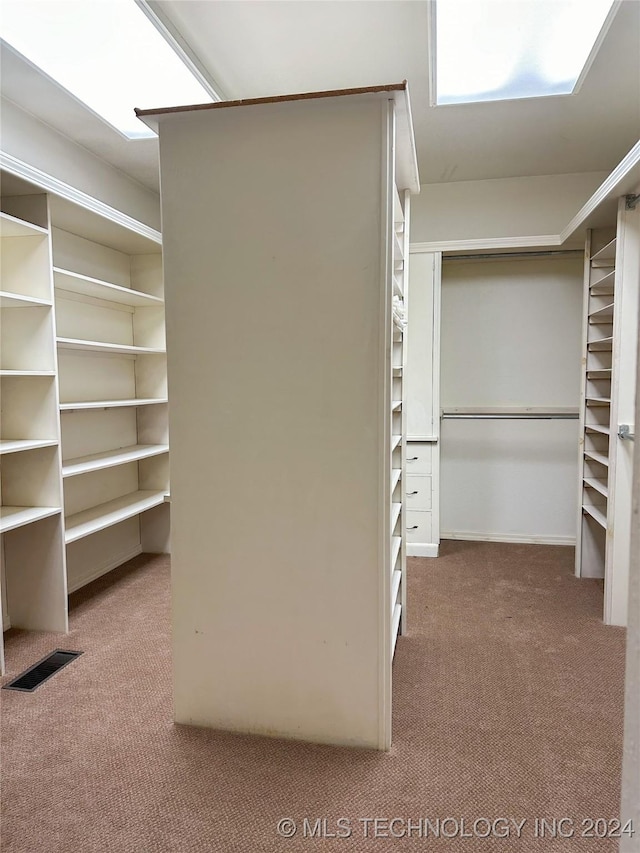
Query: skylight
106,53
494,50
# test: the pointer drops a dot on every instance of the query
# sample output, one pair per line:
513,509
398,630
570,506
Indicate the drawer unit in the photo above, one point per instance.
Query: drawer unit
418,491
419,457
418,526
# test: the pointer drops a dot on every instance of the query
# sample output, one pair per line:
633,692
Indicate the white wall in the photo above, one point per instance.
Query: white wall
504,208
39,145
511,336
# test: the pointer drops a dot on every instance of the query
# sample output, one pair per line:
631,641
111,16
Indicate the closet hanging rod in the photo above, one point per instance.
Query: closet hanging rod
514,414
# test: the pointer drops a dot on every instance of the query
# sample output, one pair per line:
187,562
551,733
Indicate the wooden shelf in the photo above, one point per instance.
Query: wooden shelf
396,473
111,458
396,577
396,405
598,484
597,514
17,445
598,401
604,344
95,287
395,513
600,373
12,517
17,300
111,404
603,430
396,544
397,371
11,226
100,347
602,315
105,515
605,286
27,373
395,441
597,457
606,253
395,625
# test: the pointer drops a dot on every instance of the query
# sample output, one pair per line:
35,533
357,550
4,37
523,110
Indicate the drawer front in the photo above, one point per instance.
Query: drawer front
418,491
419,457
418,526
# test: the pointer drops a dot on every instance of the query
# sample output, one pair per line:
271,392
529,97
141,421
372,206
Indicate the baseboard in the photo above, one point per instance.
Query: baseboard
415,549
102,569
511,537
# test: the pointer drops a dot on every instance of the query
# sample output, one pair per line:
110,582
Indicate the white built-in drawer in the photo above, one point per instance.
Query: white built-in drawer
418,526
418,491
419,457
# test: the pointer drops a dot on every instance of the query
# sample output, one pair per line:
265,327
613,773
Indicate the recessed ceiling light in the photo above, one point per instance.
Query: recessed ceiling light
494,50
106,53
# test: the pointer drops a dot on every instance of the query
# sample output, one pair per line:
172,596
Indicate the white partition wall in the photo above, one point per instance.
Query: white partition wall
285,377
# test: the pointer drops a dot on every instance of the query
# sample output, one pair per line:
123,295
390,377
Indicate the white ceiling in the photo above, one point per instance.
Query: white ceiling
254,49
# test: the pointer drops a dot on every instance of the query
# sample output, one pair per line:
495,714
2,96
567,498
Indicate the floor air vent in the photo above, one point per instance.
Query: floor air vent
37,674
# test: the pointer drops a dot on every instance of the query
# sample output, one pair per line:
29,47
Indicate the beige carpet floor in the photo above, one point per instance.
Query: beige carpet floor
508,702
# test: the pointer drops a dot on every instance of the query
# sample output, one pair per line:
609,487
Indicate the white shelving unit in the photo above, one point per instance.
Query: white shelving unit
297,263
612,261
84,426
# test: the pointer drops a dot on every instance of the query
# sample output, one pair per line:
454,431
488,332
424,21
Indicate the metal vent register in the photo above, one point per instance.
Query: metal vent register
37,674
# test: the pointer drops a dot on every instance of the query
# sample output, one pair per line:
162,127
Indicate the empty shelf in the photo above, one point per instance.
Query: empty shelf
597,484
105,515
601,373
598,401
395,626
111,404
17,300
396,544
605,286
19,444
606,253
396,405
397,285
18,516
597,457
398,252
602,315
603,430
396,577
395,513
395,441
27,373
603,344
397,371
111,458
76,283
100,347
398,214
11,226
596,513
396,473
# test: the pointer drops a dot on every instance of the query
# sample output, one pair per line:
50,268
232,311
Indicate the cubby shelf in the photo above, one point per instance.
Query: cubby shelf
18,300
111,404
66,280
12,517
398,252
604,344
597,514
396,473
598,401
396,544
9,445
607,253
89,521
396,405
603,430
395,625
395,513
111,458
12,226
395,441
601,458
106,348
604,286
598,484
395,585
600,373
7,373
602,315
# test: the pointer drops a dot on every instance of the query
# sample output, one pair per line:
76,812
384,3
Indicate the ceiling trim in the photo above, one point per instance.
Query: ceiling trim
50,184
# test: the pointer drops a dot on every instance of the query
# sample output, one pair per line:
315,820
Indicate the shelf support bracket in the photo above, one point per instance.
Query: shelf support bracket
626,431
631,201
